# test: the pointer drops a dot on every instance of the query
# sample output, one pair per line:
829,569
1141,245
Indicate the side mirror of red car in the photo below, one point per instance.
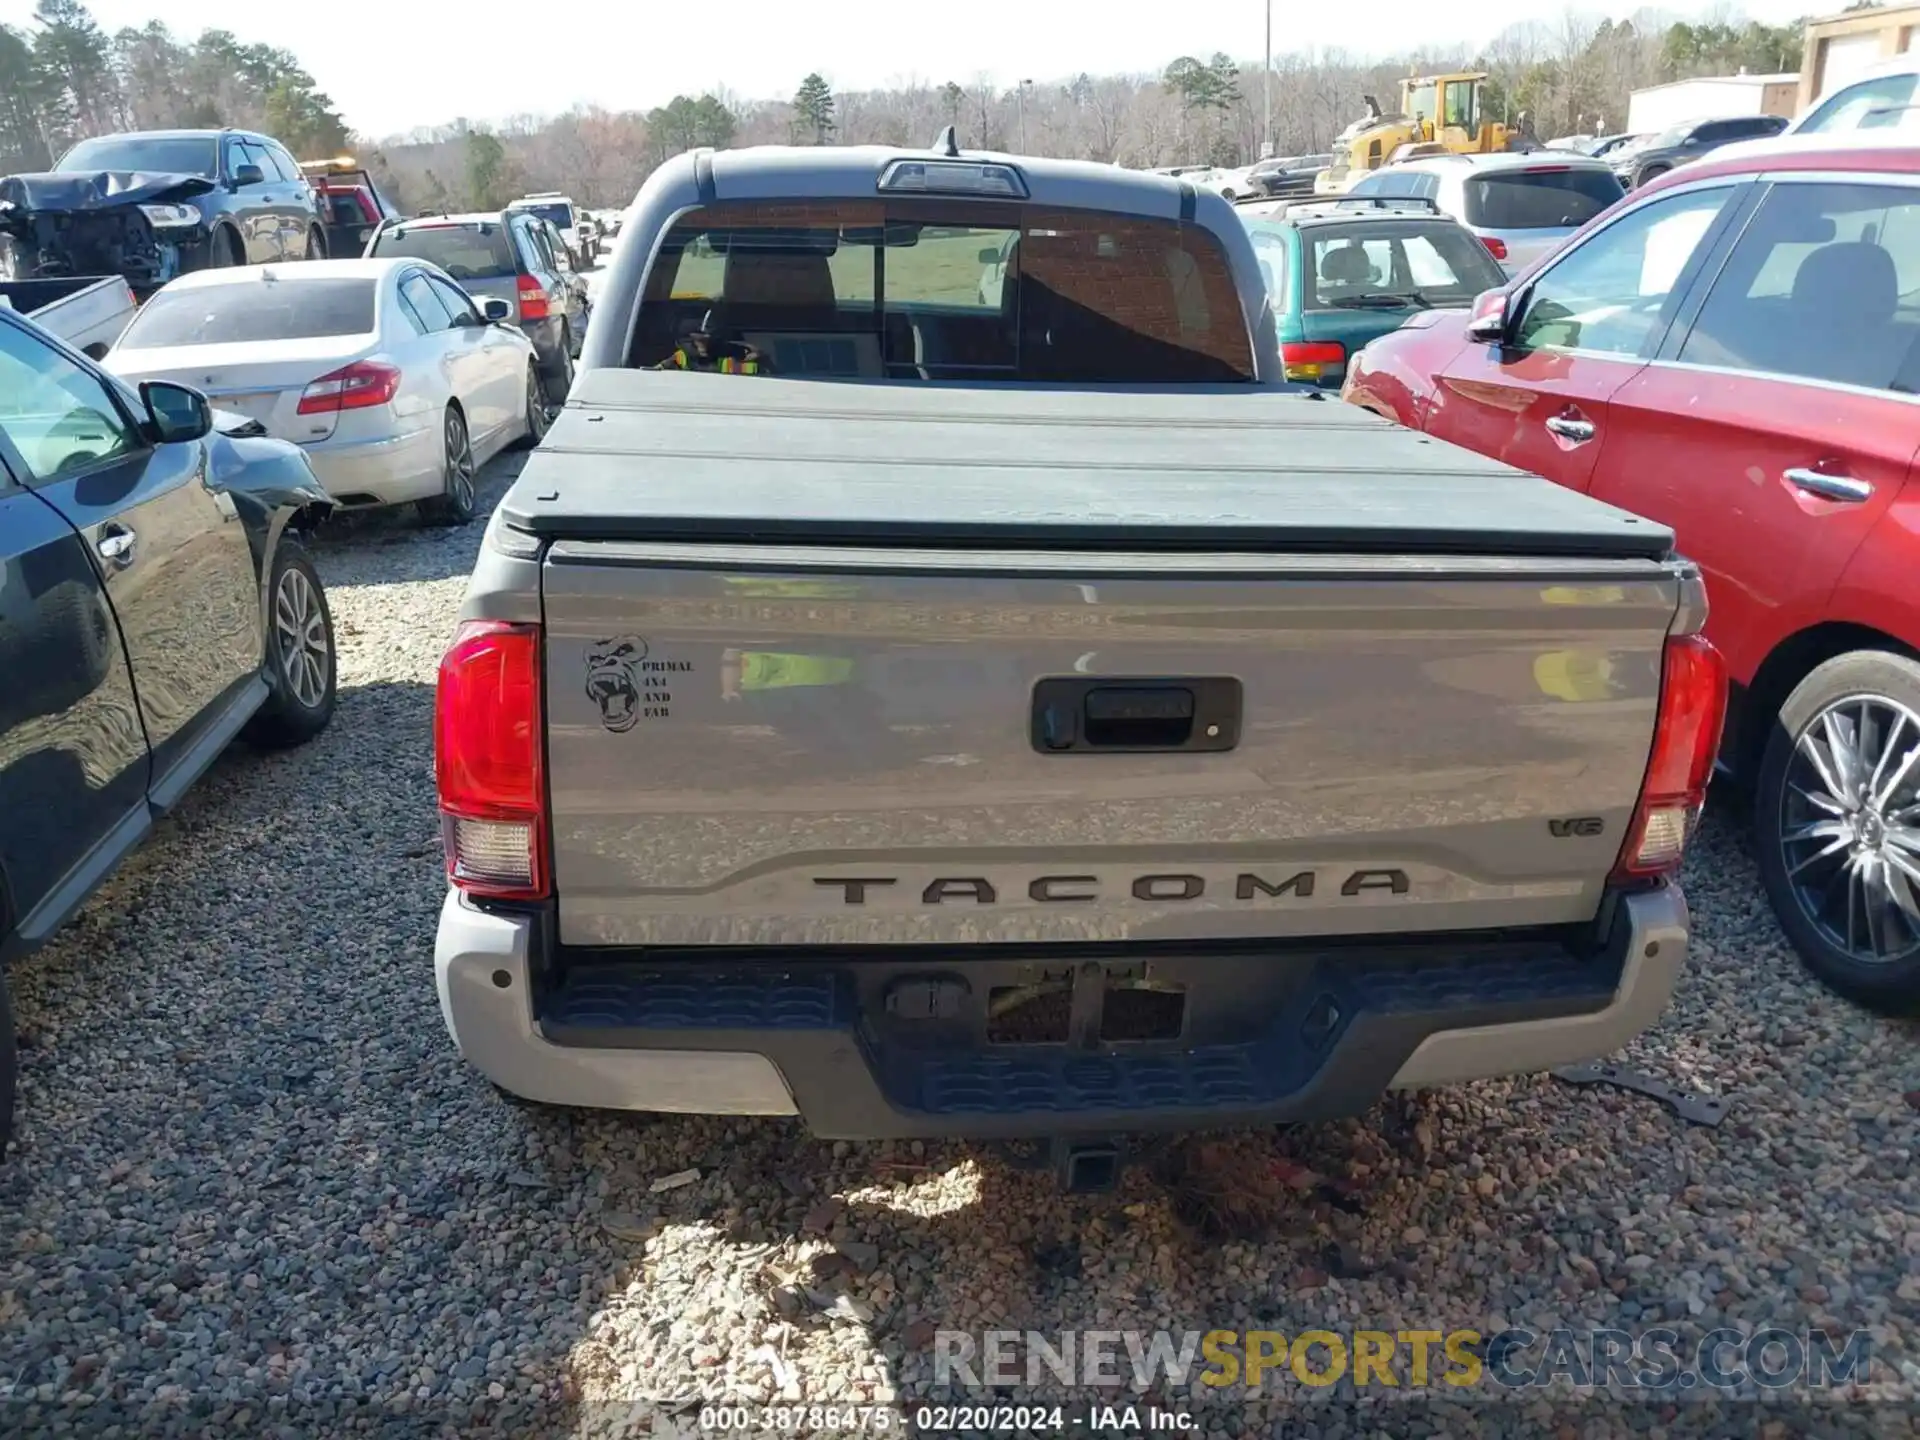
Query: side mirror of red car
1487,322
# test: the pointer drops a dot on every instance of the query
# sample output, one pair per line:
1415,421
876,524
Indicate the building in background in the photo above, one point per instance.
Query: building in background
1840,48
1660,107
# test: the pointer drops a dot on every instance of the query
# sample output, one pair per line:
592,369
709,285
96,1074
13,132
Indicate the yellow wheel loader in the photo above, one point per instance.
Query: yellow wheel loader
1439,114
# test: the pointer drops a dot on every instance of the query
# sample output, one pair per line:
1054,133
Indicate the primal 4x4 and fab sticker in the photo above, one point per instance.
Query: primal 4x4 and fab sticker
627,685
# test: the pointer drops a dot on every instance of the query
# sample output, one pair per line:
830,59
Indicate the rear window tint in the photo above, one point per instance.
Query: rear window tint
1442,265
263,310
553,212
466,252
943,290
1539,199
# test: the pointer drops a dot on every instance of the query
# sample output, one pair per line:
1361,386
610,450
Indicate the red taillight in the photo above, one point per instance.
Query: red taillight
1311,359
533,299
1686,740
352,387
1496,247
487,737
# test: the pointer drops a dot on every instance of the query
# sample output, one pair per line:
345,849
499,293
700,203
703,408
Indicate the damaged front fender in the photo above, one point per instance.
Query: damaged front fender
271,485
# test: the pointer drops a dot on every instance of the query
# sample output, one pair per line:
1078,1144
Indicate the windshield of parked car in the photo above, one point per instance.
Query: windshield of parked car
1364,266
252,310
1885,103
553,212
933,289
154,154
479,250
1549,198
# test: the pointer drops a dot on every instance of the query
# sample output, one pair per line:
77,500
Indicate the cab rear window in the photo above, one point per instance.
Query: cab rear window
477,251
1547,199
934,290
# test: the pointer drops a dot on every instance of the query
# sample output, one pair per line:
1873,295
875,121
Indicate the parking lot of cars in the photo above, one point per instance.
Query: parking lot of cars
253,1167
252,1173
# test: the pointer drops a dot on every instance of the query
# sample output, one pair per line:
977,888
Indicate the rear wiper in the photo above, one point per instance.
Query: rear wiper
1379,300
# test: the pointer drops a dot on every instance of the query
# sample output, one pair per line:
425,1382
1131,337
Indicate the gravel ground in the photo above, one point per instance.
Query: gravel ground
256,1189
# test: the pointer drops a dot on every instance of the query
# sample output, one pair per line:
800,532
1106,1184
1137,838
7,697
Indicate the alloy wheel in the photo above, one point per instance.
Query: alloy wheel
460,488
1850,827
301,626
537,414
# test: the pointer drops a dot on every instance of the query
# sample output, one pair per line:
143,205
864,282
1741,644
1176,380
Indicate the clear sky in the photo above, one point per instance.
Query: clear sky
392,65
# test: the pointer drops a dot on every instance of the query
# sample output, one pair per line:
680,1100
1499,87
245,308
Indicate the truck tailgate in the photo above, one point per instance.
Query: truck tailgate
792,744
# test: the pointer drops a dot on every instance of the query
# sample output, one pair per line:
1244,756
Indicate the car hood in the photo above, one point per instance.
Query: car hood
100,189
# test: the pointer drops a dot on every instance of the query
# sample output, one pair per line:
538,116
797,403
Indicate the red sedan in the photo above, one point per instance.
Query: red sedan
1734,350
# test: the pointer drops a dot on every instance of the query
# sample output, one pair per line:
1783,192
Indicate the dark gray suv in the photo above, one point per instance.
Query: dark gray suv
509,255
156,602
256,208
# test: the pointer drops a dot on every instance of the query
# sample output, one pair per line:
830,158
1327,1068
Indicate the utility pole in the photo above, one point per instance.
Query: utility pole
1266,90
1020,98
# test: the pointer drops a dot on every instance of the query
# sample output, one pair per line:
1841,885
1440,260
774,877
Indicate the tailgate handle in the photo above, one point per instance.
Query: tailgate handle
1081,714
1156,717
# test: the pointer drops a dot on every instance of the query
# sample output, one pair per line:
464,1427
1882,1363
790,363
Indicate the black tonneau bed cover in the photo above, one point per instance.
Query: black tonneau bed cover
645,456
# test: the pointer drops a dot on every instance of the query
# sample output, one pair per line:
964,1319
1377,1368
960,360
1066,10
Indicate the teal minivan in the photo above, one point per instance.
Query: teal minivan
1342,272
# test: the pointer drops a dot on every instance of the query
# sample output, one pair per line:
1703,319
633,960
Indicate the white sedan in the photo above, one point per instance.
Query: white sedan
396,384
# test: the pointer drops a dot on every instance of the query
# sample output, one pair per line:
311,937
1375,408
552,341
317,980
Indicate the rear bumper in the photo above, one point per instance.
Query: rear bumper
1300,1034
385,470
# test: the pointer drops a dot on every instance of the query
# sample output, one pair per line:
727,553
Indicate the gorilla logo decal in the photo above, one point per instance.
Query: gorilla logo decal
613,681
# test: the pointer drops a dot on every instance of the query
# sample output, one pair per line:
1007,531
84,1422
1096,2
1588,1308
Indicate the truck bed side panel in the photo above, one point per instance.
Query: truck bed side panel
830,747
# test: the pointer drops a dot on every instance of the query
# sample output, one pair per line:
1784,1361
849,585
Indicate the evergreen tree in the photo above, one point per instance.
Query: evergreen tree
813,108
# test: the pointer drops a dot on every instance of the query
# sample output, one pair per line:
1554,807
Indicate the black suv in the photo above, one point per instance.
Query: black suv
155,602
254,206
1638,161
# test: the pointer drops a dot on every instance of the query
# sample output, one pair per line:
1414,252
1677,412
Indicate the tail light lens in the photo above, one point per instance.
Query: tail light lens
488,765
359,386
1496,247
1686,739
533,299
1312,359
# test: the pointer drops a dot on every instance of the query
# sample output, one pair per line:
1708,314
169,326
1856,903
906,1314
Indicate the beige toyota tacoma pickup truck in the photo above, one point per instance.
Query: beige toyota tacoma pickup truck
1015,715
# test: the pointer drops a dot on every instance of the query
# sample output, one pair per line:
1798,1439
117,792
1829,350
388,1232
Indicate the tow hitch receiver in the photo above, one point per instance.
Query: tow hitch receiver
1083,1164
1088,1169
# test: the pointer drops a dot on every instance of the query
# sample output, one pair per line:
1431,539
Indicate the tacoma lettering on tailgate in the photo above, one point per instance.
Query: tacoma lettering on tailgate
1068,889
